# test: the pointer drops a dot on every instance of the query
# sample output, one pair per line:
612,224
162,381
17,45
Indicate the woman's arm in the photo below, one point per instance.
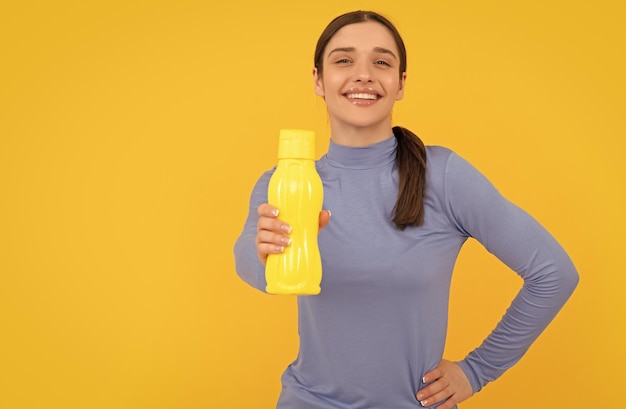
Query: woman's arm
263,234
247,263
518,240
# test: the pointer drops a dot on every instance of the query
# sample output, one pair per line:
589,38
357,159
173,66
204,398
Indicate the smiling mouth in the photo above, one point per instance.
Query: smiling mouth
362,96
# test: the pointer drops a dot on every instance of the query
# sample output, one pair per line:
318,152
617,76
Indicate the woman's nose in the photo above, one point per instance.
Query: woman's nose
363,73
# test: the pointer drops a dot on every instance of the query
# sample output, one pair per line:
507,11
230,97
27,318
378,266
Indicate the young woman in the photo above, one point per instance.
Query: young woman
374,337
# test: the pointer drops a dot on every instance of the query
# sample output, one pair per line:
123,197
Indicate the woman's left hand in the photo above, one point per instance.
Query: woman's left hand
447,384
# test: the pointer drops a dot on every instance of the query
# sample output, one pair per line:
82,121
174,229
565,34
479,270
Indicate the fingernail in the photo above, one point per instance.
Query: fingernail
329,213
286,228
275,212
286,241
424,379
423,402
280,248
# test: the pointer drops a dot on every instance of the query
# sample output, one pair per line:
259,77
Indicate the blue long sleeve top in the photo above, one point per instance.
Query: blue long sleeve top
379,323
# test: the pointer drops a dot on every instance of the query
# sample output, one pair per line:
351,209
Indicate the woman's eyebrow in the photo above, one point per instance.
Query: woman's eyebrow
381,50
340,50
385,51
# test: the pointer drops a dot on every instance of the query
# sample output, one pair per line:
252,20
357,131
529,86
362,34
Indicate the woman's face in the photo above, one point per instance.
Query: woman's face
360,80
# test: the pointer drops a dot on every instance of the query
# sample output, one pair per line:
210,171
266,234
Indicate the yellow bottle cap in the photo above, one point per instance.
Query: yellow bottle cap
296,144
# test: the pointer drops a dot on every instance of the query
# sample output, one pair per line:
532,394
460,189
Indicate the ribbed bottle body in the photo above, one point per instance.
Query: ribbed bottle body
296,190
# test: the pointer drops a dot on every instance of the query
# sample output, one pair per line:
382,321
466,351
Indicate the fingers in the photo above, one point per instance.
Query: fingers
269,242
272,224
267,210
435,373
435,392
438,391
272,233
448,384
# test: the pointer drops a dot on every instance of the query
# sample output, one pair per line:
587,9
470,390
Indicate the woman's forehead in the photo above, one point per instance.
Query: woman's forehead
365,36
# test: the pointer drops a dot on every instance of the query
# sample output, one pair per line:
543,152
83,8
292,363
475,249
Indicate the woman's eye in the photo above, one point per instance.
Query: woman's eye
342,61
381,62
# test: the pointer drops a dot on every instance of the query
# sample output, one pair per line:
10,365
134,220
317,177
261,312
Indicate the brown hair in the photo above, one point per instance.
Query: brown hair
411,153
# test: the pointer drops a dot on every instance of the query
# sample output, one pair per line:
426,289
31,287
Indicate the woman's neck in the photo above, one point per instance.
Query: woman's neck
359,136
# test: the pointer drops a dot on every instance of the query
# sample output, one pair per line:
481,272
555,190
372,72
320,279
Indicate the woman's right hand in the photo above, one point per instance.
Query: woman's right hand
273,234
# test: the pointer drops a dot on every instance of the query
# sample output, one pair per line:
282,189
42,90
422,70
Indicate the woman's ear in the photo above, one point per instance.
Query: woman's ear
401,87
318,83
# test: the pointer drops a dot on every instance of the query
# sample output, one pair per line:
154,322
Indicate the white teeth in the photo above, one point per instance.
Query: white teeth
362,96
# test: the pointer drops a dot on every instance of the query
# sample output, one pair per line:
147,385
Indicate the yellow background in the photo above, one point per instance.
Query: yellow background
131,134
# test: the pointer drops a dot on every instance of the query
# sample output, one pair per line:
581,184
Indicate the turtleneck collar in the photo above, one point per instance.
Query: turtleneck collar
362,157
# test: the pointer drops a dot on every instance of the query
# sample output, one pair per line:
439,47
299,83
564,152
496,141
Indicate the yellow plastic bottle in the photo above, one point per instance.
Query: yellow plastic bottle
296,190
